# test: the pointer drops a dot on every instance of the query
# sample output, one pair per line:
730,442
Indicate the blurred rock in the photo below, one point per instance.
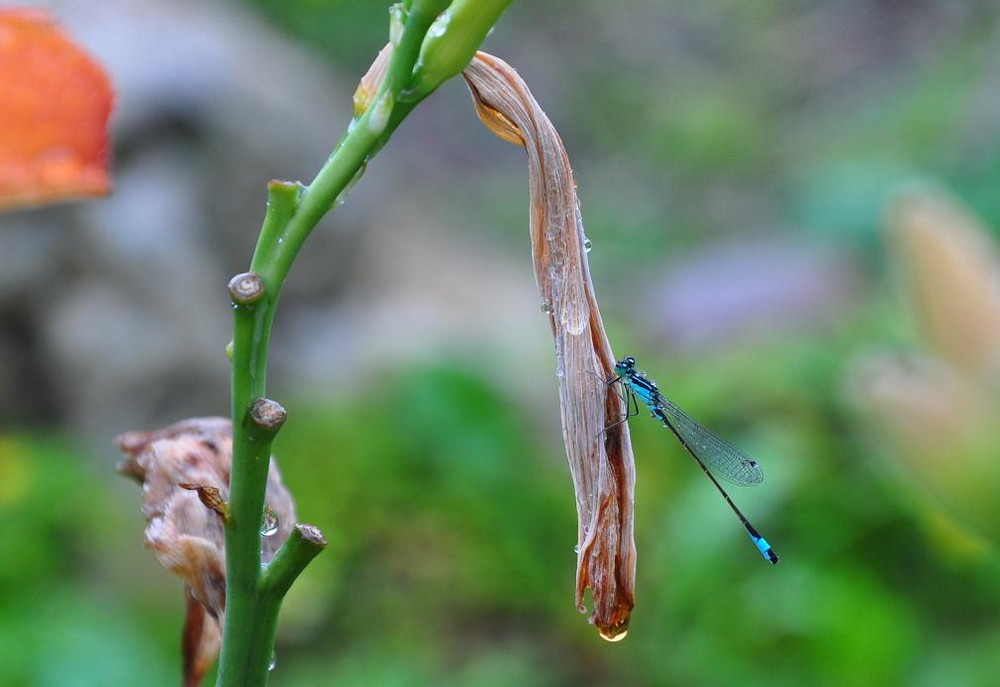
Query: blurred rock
114,313
124,299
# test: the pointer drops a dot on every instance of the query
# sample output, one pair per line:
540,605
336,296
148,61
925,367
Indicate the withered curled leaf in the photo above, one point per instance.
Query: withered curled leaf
597,441
184,526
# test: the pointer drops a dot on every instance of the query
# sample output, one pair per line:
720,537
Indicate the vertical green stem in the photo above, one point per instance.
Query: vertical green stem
248,635
253,592
252,606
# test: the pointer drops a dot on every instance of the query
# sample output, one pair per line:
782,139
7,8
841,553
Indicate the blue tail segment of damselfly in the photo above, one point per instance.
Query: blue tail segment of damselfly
713,455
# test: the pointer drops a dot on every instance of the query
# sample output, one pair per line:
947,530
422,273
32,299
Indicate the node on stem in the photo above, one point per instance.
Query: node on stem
246,288
268,414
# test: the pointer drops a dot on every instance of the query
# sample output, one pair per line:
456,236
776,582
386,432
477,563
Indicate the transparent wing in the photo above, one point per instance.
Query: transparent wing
719,456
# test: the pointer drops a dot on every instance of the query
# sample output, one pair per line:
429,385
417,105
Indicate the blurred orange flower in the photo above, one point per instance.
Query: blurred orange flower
53,114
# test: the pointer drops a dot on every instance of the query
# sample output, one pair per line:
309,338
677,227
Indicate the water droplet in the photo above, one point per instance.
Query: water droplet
616,630
272,662
342,196
281,240
378,118
269,526
587,244
612,635
546,307
440,25
396,22
576,549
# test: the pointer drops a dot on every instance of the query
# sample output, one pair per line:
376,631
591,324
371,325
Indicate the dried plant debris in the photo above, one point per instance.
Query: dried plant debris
184,470
597,441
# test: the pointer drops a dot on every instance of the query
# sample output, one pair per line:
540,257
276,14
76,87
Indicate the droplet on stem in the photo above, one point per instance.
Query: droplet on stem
269,526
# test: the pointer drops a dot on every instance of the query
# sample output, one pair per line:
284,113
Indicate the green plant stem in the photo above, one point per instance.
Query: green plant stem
304,544
254,593
251,606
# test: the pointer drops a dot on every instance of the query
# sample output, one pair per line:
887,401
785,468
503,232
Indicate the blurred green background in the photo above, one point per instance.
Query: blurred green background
734,160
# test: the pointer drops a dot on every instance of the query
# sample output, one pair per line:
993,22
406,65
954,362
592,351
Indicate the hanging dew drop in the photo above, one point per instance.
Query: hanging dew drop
546,307
269,526
587,244
612,635
616,629
272,662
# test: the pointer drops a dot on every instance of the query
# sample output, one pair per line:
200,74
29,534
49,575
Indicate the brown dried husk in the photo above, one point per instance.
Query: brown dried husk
188,536
597,441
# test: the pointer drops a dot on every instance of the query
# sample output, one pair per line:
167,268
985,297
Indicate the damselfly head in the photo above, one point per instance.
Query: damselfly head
625,366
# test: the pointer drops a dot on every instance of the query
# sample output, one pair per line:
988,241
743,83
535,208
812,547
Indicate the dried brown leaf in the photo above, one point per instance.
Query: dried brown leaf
597,441
210,497
200,641
186,534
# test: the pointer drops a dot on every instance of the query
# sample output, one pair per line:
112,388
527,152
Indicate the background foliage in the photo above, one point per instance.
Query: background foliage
729,148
